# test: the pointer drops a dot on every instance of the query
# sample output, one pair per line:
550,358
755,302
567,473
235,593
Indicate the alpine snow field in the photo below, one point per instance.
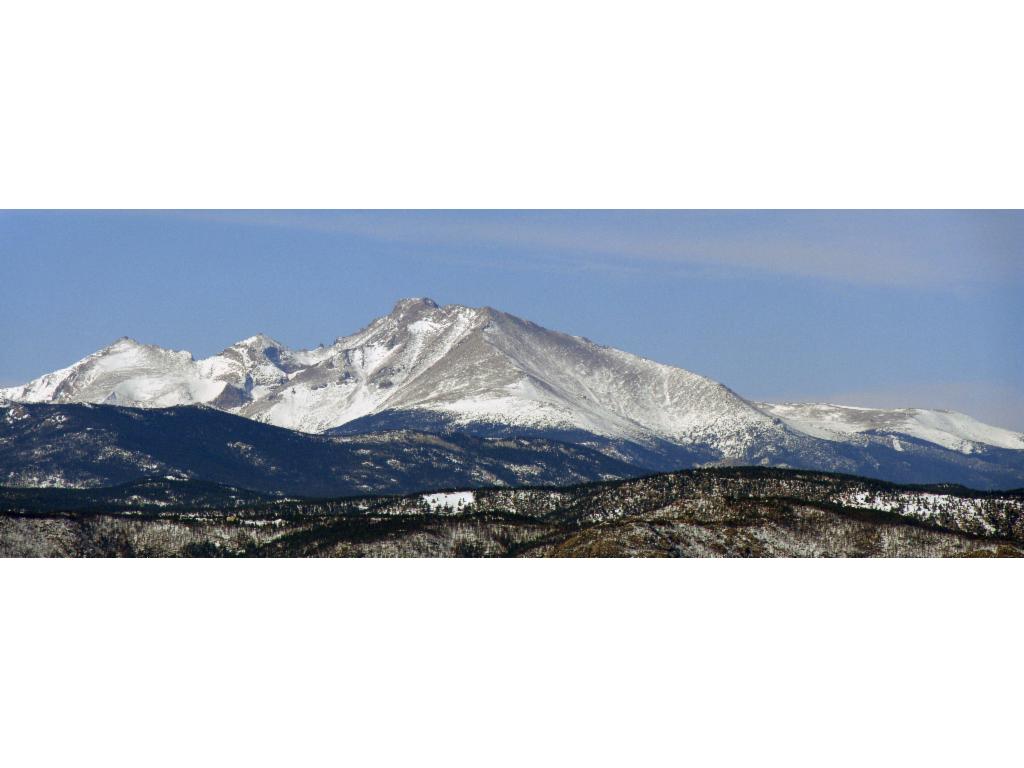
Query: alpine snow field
431,398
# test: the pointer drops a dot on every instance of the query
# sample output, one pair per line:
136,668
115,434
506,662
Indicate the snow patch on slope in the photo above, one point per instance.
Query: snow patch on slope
456,502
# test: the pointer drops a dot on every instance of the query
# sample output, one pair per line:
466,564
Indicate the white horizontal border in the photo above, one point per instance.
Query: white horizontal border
574,104
510,663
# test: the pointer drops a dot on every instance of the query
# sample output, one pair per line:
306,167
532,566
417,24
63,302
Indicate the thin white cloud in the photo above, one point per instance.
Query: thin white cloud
854,253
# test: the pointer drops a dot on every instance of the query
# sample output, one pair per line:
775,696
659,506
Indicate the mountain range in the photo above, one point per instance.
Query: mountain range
478,373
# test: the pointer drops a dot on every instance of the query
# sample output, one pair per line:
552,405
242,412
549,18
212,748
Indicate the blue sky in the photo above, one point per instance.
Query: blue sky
872,308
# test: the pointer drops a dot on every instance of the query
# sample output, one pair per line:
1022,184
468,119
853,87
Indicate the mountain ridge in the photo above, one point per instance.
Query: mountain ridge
88,446
488,373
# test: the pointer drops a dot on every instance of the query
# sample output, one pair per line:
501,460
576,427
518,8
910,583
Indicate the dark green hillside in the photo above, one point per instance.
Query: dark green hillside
733,512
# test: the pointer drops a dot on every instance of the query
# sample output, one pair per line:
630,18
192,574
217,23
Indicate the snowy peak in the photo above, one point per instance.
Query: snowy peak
478,365
124,373
371,370
949,429
258,343
405,306
123,344
258,361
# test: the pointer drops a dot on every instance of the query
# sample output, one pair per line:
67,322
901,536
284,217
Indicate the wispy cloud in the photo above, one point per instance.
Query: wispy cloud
924,249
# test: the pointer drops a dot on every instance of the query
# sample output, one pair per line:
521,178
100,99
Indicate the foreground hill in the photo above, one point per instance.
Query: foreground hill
92,446
742,512
486,373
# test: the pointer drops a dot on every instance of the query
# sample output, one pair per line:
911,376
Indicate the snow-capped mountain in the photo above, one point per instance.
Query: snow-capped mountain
467,365
489,373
